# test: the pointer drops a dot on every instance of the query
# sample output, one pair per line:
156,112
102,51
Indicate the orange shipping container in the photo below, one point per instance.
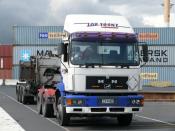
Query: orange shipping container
5,62
5,74
6,50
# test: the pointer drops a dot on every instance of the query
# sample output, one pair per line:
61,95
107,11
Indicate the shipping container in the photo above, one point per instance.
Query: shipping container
38,35
156,36
160,70
158,76
15,70
6,50
5,62
24,52
160,55
5,74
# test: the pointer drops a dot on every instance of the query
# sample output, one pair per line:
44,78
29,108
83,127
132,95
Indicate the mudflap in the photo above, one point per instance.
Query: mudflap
48,100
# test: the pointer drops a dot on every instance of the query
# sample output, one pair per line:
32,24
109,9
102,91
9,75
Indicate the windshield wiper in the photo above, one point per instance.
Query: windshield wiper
118,64
92,65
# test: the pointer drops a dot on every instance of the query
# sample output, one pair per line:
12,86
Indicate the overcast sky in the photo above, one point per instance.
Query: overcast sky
141,13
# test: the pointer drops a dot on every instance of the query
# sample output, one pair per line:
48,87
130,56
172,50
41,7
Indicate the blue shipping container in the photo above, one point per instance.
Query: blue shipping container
37,35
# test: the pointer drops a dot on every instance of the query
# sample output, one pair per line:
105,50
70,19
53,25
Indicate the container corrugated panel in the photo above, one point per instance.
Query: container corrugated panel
161,55
161,74
5,74
15,70
6,50
37,35
5,62
156,36
24,52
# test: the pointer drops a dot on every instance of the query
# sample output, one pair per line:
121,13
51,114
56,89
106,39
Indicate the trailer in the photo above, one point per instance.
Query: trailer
36,83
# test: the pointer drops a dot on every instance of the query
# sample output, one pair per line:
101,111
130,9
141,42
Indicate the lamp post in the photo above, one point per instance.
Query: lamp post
167,7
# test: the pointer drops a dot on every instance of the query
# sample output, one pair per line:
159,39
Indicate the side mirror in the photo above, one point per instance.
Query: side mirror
145,52
60,49
65,52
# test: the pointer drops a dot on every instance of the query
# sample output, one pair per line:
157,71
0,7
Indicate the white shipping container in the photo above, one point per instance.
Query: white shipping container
24,52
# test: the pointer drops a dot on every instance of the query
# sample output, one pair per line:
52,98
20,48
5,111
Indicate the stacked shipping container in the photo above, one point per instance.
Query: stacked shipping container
6,52
34,40
160,70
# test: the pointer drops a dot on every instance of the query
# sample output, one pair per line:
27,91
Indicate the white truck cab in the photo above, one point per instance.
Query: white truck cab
100,69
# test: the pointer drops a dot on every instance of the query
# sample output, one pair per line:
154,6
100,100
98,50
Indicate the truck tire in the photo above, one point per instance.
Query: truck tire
20,94
24,98
124,119
17,94
30,99
47,109
62,117
39,106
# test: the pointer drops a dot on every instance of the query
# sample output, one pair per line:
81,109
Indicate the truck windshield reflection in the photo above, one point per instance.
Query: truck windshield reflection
108,53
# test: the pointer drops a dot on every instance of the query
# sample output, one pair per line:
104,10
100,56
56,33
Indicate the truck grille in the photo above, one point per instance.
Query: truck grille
102,82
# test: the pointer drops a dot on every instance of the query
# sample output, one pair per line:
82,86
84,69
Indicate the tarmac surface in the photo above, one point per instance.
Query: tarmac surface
156,116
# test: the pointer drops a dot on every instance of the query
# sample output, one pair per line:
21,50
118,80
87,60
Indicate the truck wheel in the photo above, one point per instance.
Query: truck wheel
124,119
62,116
31,100
39,107
20,95
24,98
17,94
47,109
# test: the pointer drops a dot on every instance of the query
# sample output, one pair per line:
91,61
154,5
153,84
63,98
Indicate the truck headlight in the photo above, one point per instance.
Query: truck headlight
74,102
137,102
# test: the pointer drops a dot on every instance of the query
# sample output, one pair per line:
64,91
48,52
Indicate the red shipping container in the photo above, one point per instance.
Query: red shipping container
5,74
5,62
6,50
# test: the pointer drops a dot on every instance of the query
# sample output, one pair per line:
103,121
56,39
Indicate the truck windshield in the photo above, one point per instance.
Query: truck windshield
107,53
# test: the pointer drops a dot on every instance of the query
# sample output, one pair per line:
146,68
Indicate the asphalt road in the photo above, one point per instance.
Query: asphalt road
155,117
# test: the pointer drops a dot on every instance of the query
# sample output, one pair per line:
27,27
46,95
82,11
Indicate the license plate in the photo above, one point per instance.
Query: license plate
107,101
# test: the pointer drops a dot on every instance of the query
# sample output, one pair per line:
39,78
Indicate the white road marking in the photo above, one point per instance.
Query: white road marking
53,122
7,123
152,119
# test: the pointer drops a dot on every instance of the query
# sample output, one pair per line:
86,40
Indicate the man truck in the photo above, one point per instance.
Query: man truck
100,69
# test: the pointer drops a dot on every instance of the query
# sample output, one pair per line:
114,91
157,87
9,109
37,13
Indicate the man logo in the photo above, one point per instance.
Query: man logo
100,81
114,81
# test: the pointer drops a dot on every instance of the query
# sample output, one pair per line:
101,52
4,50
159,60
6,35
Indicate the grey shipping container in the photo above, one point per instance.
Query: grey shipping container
24,52
160,70
161,55
156,36
164,75
37,35
51,35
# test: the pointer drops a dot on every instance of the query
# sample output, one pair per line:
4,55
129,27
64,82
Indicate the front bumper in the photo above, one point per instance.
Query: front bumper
102,110
92,104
